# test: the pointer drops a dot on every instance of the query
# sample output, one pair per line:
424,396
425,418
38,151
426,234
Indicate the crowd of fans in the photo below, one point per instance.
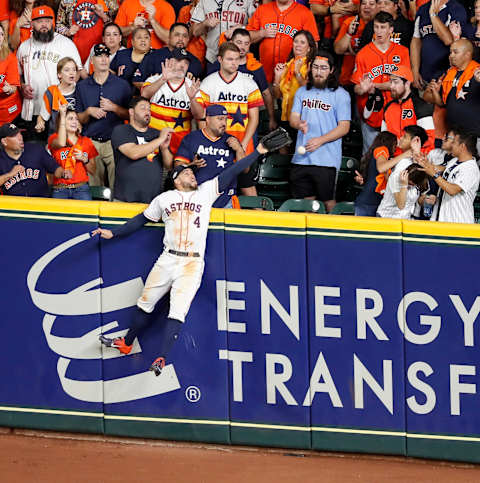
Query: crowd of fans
115,93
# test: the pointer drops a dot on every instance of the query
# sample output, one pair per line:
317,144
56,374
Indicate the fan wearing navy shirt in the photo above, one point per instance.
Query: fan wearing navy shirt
178,39
23,167
213,150
127,62
431,39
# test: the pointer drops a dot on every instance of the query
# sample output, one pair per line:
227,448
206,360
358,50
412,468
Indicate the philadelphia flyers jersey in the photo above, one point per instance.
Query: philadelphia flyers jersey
378,65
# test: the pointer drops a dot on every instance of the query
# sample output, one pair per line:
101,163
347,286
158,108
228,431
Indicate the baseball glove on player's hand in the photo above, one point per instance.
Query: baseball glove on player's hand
276,139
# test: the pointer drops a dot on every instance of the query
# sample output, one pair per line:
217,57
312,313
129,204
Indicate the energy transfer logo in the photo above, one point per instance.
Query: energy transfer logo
89,299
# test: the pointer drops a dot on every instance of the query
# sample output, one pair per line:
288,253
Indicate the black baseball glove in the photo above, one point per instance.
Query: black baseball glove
276,139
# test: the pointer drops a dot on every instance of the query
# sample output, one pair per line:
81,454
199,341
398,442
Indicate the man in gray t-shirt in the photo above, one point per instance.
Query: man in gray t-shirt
141,153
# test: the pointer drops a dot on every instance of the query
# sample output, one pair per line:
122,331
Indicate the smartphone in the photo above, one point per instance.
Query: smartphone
356,23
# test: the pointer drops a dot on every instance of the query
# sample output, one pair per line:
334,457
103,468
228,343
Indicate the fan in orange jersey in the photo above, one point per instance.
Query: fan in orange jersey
373,66
240,96
196,45
156,15
74,153
335,12
170,95
10,101
275,24
19,22
348,38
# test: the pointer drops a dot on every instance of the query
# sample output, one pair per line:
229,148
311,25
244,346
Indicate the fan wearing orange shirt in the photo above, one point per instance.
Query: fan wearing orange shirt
274,24
10,101
156,15
4,14
371,76
19,27
196,45
74,153
335,12
348,38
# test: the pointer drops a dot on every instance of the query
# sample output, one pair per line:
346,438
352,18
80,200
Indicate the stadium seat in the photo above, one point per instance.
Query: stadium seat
101,193
273,178
346,190
252,202
344,208
302,205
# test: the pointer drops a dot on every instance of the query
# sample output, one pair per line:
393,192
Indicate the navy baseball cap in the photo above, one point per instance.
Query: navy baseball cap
216,110
179,54
101,49
8,129
181,167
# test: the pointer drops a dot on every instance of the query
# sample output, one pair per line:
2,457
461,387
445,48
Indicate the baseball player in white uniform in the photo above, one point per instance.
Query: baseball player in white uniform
185,212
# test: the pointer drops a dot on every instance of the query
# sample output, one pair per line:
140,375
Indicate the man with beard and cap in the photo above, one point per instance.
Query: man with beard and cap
214,150
321,113
38,58
141,153
407,108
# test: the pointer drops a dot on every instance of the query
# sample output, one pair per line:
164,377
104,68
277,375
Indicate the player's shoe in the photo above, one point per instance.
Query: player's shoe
157,365
117,343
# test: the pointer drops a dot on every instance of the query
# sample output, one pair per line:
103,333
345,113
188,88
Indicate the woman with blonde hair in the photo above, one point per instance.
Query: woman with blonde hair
10,100
289,77
74,153
58,94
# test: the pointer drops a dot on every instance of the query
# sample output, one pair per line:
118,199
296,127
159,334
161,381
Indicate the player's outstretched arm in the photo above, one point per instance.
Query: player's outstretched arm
132,225
271,142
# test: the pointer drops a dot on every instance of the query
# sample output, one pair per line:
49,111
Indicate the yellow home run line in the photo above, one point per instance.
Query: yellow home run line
355,235
242,425
48,217
256,230
359,431
440,240
166,420
51,411
449,438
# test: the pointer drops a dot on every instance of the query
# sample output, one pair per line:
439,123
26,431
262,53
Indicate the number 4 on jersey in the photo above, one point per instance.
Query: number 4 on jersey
197,222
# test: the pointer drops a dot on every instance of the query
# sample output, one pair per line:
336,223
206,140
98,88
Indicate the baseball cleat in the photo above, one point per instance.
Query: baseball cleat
117,343
157,366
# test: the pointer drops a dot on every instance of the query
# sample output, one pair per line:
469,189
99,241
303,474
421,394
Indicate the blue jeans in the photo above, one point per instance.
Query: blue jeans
368,134
79,193
366,210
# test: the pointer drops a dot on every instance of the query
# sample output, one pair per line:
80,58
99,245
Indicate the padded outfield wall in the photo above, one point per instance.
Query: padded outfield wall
309,331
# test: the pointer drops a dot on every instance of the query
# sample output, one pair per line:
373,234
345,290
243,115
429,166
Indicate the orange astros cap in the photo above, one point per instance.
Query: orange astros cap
43,11
404,72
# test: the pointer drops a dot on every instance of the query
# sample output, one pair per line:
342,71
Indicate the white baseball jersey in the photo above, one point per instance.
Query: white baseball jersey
230,13
459,208
38,64
388,207
186,215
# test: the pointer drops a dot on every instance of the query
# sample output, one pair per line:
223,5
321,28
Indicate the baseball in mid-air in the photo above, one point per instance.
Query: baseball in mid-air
301,150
